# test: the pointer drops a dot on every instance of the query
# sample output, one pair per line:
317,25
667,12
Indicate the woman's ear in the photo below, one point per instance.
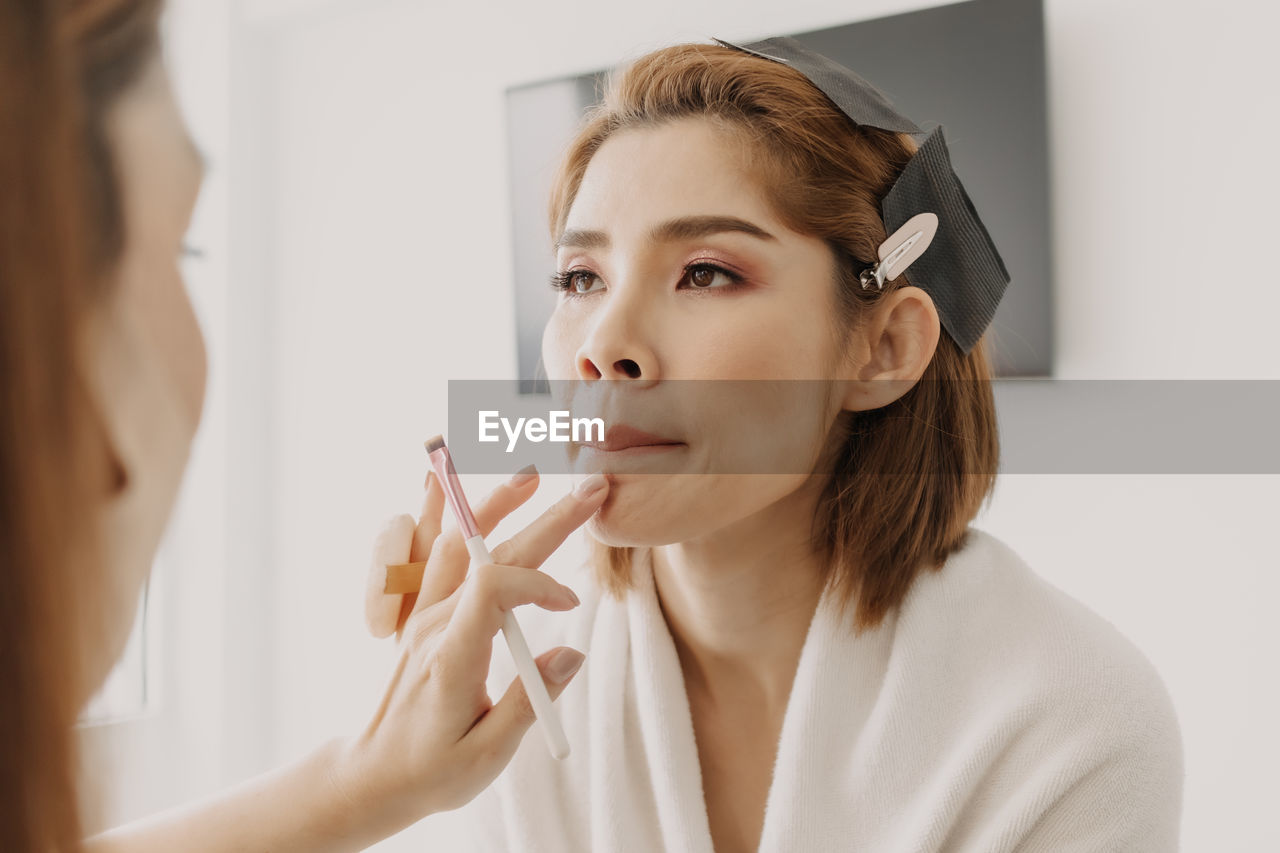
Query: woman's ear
895,345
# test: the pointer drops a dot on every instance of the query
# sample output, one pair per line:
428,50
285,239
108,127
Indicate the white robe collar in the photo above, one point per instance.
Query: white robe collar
802,789
990,713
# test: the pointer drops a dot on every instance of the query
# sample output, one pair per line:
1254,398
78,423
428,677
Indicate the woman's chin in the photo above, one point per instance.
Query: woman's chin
638,512
620,536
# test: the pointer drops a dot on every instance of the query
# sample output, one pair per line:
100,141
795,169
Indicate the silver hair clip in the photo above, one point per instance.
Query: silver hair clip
903,246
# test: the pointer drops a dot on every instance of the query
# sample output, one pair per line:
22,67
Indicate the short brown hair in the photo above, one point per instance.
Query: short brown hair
825,176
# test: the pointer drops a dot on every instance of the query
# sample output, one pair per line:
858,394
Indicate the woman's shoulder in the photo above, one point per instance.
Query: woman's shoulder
1066,715
1020,639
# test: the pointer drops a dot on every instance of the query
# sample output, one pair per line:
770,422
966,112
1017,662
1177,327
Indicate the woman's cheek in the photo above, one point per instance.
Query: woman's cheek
557,348
745,347
174,339
191,355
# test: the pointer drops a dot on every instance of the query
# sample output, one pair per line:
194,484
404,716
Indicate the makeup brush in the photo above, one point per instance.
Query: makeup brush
407,577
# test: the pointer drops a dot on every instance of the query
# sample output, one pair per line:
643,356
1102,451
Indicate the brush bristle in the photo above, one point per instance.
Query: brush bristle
434,443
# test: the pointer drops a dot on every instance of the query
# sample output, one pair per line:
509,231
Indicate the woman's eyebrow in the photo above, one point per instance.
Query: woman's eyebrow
578,238
684,228
693,227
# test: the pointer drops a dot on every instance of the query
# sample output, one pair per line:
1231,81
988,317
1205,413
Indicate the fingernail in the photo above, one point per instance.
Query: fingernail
426,484
524,475
573,595
590,486
564,664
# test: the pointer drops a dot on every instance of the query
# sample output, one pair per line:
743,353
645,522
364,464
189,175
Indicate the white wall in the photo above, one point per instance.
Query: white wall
373,135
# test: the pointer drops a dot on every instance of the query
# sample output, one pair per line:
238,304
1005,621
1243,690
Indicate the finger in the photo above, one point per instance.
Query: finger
488,595
424,535
447,566
504,500
428,520
408,605
498,733
382,611
533,545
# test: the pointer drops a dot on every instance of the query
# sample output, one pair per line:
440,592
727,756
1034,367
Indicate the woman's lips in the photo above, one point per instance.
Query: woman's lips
633,450
622,438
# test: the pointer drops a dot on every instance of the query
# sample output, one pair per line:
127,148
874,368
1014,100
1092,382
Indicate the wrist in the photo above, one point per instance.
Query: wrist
362,798
343,787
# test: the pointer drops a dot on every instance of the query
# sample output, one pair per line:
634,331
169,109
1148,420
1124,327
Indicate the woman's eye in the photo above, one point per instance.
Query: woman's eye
570,281
703,277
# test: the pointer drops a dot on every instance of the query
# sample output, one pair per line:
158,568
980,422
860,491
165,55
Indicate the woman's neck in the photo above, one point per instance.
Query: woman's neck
738,603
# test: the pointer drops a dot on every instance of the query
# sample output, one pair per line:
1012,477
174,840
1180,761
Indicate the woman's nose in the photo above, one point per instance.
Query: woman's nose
615,348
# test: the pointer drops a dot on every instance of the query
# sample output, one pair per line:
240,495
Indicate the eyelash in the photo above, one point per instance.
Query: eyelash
563,281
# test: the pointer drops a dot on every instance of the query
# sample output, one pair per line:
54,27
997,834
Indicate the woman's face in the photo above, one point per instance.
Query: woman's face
678,269
144,355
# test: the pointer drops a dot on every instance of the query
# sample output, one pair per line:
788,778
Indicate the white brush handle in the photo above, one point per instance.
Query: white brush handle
548,719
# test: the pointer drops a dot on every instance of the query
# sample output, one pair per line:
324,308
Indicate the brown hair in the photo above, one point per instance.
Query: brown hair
61,66
825,175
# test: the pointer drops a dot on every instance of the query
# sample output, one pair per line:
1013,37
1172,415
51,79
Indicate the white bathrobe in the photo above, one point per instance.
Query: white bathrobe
990,713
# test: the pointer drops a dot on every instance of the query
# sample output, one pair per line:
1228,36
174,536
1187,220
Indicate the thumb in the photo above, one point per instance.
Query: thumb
500,731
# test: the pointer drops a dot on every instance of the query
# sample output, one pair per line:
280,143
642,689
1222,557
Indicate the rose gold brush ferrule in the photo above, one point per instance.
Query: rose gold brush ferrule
442,462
